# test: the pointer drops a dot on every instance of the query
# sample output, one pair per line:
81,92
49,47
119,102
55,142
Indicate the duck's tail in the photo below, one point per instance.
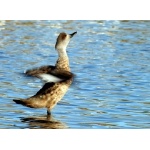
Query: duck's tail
19,101
30,102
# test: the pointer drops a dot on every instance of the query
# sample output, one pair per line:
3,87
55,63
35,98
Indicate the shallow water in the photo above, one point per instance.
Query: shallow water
111,60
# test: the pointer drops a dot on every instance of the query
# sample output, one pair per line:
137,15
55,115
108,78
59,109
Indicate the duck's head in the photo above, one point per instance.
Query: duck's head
63,40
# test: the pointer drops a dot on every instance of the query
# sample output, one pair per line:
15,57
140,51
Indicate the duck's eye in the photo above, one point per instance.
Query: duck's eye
63,36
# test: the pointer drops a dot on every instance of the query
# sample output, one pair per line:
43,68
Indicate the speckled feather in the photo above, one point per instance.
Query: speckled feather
48,95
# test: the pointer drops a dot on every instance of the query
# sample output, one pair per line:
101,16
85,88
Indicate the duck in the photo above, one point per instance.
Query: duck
57,78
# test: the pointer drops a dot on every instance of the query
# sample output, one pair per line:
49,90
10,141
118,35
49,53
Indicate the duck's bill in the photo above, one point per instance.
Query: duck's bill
71,35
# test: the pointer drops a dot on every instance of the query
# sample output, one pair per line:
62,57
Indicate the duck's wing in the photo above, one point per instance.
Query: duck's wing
41,70
53,78
56,75
50,74
44,89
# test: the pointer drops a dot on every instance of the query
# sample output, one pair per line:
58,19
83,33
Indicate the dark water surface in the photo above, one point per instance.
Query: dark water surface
111,60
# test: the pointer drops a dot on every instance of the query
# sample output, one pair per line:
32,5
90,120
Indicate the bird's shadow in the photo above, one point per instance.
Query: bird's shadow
43,122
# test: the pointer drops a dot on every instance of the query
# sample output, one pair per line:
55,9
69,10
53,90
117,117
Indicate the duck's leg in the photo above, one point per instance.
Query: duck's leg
48,111
48,117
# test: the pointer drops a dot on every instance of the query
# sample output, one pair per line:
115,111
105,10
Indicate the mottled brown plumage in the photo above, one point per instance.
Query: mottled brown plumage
58,77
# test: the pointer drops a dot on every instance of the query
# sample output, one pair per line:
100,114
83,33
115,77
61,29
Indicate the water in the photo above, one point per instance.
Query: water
111,61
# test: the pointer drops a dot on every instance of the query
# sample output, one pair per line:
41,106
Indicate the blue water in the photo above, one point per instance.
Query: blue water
111,61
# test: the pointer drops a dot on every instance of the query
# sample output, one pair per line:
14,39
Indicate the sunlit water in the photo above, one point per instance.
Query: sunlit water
111,61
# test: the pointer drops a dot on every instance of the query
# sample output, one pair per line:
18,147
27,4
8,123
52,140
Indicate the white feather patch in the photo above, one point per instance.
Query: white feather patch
49,78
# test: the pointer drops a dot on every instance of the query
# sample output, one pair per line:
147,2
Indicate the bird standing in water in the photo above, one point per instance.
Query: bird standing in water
58,78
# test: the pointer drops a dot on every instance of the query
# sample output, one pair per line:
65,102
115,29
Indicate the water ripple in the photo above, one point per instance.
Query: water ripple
109,58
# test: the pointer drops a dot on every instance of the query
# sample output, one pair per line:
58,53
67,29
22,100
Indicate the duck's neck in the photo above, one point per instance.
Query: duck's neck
63,60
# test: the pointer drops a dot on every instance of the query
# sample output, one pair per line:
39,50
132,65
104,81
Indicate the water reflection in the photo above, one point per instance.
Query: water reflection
43,122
